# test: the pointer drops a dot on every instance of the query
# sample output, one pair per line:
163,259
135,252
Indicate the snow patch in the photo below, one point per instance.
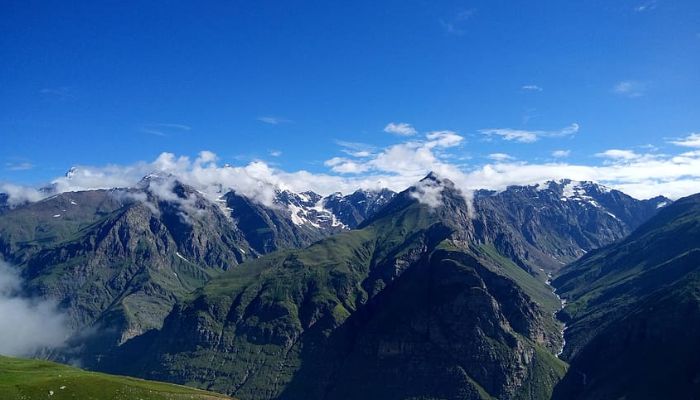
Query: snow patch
181,257
296,219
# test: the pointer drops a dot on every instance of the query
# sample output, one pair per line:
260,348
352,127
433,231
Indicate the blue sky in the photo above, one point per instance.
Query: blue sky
292,83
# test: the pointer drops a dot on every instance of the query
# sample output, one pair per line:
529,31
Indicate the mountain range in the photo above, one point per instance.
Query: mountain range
374,294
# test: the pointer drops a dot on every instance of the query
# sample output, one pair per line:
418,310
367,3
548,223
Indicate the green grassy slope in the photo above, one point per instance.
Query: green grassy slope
35,379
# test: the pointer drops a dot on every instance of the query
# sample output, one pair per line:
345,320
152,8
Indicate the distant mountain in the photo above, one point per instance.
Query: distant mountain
373,293
34,380
117,260
634,312
352,210
299,219
549,225
396,309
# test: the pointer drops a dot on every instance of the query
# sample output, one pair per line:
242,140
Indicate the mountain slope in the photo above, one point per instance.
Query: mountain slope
549,225
634,312
35,379
118,260
396,309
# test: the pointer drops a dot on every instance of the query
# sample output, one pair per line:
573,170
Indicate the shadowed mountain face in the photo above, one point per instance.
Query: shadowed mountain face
634,312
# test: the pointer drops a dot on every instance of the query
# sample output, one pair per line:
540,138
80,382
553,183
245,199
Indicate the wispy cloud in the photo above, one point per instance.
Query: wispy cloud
561,153
618,154
529,136
500,157
275,153
273,120
344,165
630,88
646,6
19,166
60,93
400,128
456,24
692,140
356,149
164,129
531,88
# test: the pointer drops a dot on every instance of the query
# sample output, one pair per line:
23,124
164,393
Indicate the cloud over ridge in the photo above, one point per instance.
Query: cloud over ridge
399,166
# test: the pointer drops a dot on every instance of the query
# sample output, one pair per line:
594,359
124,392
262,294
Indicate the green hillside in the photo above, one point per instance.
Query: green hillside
35,379
634,313
398,309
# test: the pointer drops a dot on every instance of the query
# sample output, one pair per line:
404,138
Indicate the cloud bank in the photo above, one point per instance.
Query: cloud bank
27,325
398,166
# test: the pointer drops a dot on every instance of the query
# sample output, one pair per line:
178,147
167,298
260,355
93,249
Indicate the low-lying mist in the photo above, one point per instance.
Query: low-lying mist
27,325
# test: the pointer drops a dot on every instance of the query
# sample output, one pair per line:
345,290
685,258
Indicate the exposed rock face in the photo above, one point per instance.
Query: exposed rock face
548,226
297,220
353,209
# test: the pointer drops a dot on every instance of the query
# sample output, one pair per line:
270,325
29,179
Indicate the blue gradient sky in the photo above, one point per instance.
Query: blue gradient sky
95,83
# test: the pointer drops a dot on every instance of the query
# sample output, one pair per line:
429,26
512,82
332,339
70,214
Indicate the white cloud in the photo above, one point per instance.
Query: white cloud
531,88
528,136
400,128
500,157
630,88
642,174
27,325
617,154
443,139
18,194
561,153
275,153
428,192
346,166
692,140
